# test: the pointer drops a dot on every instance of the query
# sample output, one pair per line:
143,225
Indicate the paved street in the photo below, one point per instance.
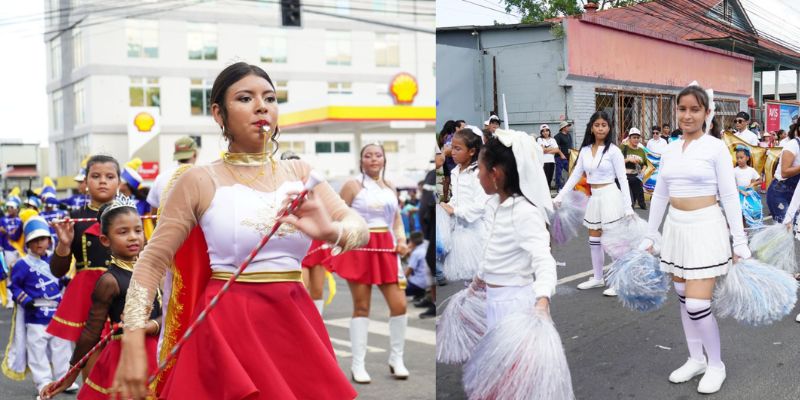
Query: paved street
419,352
614,353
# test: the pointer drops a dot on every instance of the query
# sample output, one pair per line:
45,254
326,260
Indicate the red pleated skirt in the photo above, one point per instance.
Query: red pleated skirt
369,267
101,378
262,341
318,256
68,321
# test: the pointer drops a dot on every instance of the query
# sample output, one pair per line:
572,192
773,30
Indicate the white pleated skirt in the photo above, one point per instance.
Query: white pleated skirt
606,206
466,250
504,301
696,244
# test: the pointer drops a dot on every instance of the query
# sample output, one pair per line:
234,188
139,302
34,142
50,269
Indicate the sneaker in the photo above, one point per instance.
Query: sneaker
798,318
688,371
591,284
72,388
424,303
610,292
429,313
441,282
712,380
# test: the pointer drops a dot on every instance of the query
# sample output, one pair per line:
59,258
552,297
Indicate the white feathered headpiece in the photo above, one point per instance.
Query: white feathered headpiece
529,158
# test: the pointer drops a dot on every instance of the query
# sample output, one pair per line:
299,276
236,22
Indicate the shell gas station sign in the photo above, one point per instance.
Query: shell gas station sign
403,88
143,125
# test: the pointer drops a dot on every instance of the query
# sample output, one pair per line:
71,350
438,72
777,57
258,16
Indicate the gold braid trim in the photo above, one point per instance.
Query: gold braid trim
138,305
354,232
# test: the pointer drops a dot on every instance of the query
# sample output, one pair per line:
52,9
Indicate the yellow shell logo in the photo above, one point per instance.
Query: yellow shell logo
144,122
404,88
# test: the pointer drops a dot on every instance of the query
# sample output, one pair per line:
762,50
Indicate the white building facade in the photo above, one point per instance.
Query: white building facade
332,76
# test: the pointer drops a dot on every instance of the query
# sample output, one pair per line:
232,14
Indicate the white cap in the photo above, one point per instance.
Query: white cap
543,127
634,131
491,118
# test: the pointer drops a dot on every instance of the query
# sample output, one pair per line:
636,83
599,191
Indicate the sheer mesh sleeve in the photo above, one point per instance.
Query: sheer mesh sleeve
104,293
354,229
182,208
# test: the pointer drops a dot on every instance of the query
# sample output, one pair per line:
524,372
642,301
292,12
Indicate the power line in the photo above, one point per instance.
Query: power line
489,8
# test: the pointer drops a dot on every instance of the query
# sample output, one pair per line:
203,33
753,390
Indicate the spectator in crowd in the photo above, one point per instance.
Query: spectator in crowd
741,121
444,139
782,137
665,131
634,161
657,144
564,140
417,273
492,123
550,148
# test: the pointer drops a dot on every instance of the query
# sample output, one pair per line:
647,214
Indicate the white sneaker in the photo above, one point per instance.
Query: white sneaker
72,388
712,380
610,292
798,318
688,371
591,284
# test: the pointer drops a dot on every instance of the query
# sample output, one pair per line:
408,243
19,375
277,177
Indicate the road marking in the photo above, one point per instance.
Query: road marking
341,353
580,275
347,343
413,334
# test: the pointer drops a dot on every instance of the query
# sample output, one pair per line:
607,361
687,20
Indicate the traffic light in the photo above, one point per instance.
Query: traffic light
290,12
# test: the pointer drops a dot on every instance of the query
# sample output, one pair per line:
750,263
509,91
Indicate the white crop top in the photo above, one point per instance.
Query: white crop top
378,205
705,168
236,220
600,169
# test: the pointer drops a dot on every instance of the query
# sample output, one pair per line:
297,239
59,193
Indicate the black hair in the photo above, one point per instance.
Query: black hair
700,94
746,152
459,122
416,237
101,159
230,75
496,154
107,218
793,130
715,131
361,167
654,128
472,141
487,134
588,137
663,125
448,129
780,132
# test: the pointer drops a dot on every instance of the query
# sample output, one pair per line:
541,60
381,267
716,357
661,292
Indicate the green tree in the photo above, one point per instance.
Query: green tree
539,10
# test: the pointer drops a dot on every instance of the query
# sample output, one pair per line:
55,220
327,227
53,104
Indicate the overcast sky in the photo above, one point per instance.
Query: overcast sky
23,104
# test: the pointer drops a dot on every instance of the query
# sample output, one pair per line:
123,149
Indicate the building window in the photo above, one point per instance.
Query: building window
297,147
338,48
144,92
77,48
142,38
391,146
202,40
387,50
200,96
340,88
384,5
58,110
273,46
282,91
331,147
55,57
80,103
635,109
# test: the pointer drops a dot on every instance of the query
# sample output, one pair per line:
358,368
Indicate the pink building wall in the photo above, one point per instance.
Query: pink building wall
623,54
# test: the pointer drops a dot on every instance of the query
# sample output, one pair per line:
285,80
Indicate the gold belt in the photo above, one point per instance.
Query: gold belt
261,277
379,229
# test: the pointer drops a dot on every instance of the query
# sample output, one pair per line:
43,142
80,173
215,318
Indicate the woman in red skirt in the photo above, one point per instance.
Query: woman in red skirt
265,338
377,263
81,242
315,263
123,234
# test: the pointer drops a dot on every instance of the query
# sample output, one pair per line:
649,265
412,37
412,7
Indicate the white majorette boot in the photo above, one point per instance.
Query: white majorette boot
688,371
358,341
712,381
397,340
320,305
591,284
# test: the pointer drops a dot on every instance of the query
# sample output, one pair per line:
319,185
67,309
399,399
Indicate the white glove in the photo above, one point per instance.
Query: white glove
742,251
645,244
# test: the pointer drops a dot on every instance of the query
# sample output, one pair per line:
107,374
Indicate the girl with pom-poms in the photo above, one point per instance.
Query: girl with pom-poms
696,248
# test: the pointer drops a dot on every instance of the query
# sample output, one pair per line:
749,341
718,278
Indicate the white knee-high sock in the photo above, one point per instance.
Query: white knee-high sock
597,257
693,339
703,320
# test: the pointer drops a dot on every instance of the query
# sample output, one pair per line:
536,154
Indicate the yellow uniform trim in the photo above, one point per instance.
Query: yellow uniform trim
261,277
357,113
379,229
97,387
10,373
69,323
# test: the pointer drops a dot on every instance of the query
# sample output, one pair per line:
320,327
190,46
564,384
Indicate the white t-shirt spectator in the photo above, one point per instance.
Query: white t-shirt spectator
154,197
783,142
657,145
745,175
748,136
792,147
420,273
548,143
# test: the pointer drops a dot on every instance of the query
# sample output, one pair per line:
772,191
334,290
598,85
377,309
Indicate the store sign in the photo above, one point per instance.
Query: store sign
143,125
403,88
149,170
781,115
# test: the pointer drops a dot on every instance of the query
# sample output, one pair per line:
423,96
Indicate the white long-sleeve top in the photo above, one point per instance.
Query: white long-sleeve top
705,168
600,169
468,199
518,247
794,205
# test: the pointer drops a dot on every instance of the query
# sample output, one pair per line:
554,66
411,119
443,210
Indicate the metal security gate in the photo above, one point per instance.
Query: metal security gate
630,109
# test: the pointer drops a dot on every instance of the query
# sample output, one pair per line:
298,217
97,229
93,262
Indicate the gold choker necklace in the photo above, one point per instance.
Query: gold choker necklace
126,265
246,159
